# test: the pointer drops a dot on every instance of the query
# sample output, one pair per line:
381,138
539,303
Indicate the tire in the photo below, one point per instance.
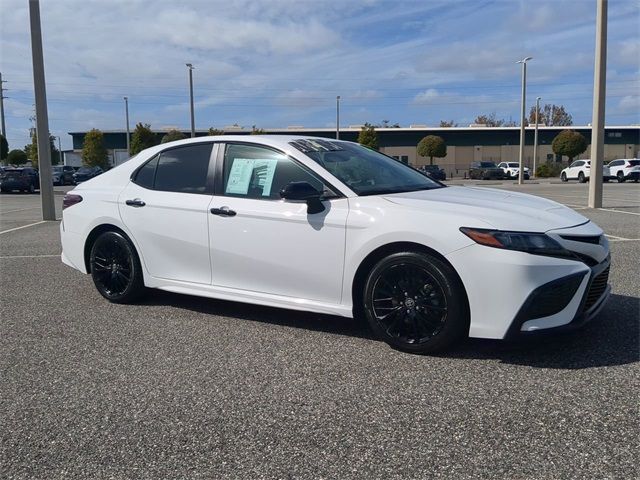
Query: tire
620,177
581,177
563,177
415,303
605,179
31,189
115,268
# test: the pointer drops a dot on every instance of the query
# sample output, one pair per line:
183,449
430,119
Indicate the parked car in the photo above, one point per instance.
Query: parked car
331,226
23,179
86,173
486,171
433,171
62,175
579,170
512,169
625,169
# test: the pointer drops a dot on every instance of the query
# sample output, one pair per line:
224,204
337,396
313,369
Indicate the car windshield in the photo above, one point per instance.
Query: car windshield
363,170
85,170
56,169
487,165
634,163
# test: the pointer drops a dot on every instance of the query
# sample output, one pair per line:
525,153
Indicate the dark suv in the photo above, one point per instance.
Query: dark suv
433,171
486,171
62,174
86,173
22,179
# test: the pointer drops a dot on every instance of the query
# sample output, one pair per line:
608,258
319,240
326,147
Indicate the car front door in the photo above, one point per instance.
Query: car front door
574,168
166,208
268,245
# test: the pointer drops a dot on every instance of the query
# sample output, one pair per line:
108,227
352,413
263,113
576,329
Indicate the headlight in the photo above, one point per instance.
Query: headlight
534,243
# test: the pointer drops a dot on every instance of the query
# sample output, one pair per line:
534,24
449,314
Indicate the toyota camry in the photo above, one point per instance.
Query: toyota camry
333,227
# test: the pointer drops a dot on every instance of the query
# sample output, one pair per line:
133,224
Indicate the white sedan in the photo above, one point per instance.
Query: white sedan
332,227
581,170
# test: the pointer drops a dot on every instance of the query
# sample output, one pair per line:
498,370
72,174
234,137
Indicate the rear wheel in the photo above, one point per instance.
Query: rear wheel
415,302
563,177
115,268
581,177
620,177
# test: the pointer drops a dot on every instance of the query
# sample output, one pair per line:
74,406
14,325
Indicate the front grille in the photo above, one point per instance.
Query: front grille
596,289
594,239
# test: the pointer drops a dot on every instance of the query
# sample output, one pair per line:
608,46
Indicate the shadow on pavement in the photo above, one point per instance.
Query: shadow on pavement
612,338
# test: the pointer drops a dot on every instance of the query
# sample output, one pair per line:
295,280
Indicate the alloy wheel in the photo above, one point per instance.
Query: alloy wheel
112,265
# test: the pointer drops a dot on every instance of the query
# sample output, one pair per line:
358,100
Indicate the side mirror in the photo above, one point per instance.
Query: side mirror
306,192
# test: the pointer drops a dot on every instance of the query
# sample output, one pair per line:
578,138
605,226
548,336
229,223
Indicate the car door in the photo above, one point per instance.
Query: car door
166,209
574,168
268,245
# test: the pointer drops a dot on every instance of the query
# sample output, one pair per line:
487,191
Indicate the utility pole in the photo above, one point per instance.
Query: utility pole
535,139
193,122
42,118
523,103
2,97
599,88
126,114
338,117
60,152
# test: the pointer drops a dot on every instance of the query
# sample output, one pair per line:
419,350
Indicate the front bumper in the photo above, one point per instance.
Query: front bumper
590,302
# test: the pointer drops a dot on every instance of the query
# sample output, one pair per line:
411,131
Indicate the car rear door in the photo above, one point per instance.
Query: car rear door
166,208
261,243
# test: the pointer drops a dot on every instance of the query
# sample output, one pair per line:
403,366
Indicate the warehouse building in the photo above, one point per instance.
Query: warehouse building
464,144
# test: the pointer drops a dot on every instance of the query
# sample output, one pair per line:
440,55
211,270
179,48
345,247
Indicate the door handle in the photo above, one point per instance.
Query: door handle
136,202
223,212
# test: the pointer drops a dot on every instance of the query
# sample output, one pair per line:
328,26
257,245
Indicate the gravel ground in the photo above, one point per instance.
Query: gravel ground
183,387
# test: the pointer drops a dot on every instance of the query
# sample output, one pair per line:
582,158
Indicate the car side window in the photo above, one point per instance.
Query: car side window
146,174
183,169
577,163
260,173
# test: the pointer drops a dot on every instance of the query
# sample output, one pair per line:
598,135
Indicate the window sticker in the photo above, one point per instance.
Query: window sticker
250,171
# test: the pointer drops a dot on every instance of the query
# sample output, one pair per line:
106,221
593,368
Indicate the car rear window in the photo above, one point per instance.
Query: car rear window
634,163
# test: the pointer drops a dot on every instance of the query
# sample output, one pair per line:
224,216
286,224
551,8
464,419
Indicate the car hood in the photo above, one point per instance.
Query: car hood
502,209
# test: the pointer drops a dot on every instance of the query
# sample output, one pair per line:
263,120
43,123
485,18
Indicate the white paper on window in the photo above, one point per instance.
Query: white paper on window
244,171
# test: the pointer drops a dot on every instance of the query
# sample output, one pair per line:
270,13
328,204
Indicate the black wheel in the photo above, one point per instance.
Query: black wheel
115,268
563,177
620,177
581,178
415,303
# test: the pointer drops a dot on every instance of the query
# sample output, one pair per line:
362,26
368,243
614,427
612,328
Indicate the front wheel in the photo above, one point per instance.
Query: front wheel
115,268
581,177
620,177
416,303
563,177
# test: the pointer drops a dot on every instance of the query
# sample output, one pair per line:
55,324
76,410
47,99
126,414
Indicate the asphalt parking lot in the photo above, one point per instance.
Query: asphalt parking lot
183,387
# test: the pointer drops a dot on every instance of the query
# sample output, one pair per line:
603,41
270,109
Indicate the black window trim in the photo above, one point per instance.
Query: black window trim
209,185
219,172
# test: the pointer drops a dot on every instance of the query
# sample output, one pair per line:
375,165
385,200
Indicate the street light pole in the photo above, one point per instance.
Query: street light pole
535,138
338,117
523,103
126,114
42,119
60,152
2,97
597,126
193,122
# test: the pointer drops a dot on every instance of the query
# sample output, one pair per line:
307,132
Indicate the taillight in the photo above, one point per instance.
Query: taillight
70,199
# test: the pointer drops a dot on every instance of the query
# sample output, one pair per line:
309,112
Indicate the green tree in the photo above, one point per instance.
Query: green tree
94,153
447,124
172,136
257,131
368,136
432,146
17,157
489,120
569,143
4,147
214,131
142,138
32,150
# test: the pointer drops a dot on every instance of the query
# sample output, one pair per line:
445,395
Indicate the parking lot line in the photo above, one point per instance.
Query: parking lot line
23,226
20,210
28,256
619,211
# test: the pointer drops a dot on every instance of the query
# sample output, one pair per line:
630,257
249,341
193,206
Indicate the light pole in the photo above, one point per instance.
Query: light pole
597,119
535,138
523,101
126,115
193,122
338,117
60,158
2,97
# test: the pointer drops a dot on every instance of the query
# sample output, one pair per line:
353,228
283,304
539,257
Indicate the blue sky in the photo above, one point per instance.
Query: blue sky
282,62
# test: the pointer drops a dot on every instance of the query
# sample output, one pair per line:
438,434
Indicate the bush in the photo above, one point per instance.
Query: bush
17,157
432,146
94,153
172,136
549,169
569,143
